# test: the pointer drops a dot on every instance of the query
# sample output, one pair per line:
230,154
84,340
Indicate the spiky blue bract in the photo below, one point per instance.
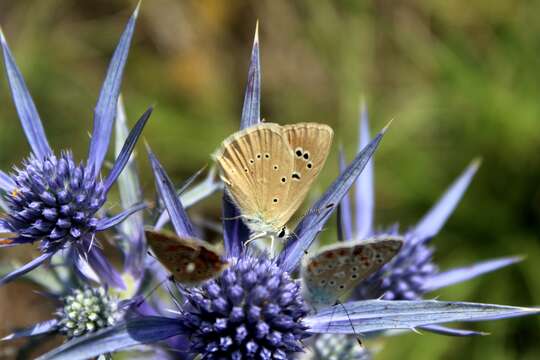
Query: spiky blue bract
457,275
190,195
165,188
344,213
374,315
105,110
125,334
251,111
26,109
434,220
215,314
252,311
132,230
364,187
43,327
235,230
127,149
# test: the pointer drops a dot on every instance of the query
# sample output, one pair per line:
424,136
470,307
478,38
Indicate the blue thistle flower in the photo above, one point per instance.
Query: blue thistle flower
254,309
53,199
412,273
232,317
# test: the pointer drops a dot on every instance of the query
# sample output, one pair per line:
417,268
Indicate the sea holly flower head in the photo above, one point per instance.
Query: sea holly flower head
232,317
412,273
55,200
87,310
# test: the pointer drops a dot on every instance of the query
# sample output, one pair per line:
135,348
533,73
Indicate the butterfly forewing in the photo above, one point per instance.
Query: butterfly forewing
337,269
256,165
190,261
310,143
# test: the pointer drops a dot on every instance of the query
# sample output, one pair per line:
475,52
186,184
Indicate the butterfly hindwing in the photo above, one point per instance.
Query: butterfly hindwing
339,268
189,260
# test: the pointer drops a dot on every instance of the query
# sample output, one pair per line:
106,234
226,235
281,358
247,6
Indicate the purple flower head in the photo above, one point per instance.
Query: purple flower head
53,199
253,310
412,273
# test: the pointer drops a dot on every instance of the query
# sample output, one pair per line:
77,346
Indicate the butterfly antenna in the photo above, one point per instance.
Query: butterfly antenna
232,218
358,339
174,299
331,317
272,244
147,296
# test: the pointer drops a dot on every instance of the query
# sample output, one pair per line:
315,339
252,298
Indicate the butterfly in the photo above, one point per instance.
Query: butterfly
191,261
338,268
268,170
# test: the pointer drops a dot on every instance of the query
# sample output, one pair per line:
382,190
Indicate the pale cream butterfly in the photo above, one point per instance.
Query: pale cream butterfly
268,170
339,268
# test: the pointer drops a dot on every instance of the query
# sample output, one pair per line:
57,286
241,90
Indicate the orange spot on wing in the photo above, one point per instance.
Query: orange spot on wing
5,241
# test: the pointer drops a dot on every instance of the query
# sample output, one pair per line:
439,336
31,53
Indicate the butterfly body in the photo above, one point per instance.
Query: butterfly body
336,269
268,170
191,261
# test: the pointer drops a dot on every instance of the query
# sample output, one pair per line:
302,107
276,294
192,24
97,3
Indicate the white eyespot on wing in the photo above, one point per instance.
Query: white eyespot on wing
190,267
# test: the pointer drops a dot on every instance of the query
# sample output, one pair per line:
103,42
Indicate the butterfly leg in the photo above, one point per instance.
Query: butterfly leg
255,236
272,240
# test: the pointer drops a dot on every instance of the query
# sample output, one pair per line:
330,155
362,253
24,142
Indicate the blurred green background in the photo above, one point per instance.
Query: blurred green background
460,78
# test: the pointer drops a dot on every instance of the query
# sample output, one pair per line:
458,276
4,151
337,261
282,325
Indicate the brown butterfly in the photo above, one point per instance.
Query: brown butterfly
339,268
191,261
268,170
